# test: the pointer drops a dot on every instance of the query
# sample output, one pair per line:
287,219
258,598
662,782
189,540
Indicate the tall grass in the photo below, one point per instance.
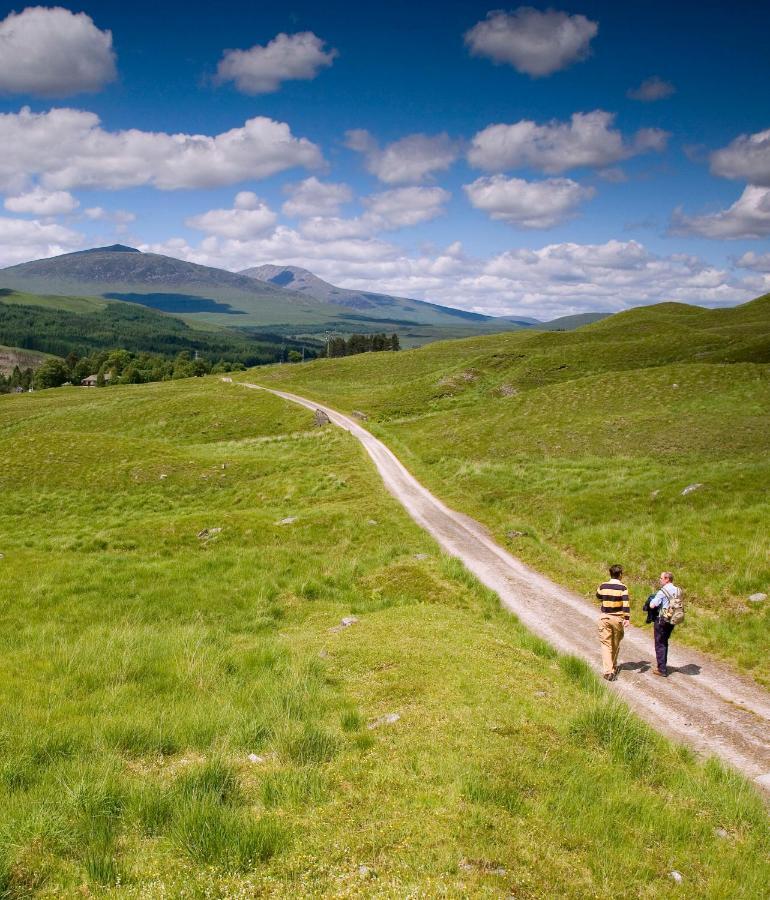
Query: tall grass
182,719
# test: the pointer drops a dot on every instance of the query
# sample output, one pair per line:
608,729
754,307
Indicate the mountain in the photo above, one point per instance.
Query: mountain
304,282
284,299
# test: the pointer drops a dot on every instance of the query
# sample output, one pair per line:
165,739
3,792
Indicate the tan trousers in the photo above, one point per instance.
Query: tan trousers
610,636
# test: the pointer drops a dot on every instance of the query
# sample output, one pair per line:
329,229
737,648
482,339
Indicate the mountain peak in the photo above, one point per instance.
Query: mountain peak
113,248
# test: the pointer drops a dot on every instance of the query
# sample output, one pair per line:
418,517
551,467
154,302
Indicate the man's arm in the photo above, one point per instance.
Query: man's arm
658,599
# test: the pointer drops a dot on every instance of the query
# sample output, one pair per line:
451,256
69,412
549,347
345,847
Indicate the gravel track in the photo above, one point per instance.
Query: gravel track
702,703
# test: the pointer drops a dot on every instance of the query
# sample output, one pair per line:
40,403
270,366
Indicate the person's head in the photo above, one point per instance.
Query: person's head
616,571
666,578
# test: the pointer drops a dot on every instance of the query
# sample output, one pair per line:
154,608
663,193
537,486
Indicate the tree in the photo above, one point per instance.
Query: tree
395,343
295,356
52,373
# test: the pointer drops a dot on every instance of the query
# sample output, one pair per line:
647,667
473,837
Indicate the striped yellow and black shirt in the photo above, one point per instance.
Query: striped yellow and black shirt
614,597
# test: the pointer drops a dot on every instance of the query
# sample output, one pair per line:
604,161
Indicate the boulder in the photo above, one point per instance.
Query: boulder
757,598
320,418
691,487
289,520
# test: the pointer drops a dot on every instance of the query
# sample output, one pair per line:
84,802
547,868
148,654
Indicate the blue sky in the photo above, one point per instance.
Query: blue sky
535,160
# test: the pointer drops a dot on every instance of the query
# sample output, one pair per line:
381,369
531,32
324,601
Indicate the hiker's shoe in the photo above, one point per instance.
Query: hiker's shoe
609,676
658,672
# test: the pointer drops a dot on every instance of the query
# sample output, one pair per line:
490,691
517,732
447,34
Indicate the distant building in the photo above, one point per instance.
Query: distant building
92,380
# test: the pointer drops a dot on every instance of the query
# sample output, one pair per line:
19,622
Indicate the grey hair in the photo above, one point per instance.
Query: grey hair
668,575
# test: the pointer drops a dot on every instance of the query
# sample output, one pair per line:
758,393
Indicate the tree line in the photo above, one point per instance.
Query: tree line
113,367
361,343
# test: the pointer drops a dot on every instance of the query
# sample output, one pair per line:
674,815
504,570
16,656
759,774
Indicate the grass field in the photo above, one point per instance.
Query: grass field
142,664
575,449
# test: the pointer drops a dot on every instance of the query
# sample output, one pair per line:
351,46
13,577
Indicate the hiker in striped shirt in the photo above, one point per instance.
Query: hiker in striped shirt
615,617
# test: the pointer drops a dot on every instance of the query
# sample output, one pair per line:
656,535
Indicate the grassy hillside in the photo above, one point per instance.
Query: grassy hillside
574,448
146,655
59,325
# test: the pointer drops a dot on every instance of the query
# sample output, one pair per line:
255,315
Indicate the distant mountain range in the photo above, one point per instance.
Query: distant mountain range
284,298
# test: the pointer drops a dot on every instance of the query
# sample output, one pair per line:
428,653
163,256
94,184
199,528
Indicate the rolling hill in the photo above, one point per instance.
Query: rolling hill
185,717
575,449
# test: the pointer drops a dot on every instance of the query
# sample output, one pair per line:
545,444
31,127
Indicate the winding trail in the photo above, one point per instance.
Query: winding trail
702,703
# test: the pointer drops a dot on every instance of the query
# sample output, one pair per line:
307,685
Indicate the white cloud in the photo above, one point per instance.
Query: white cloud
119,216
40,202
652,89
409,160
68,148
288,57
746,158
386,211
249,218
53,53
586,140
759,262
406,206
22,240
527,204
312,197
748,217
536,43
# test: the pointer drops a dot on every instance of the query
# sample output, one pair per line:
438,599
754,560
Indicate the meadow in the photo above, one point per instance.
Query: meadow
575,450
184,716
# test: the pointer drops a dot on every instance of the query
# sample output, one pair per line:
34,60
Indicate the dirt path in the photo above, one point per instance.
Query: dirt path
701,704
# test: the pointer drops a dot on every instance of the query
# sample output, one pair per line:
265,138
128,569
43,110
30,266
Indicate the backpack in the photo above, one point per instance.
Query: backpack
674,612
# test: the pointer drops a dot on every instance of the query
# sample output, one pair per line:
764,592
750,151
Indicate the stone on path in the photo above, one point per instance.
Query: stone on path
388,719
757,598
692,487
344,623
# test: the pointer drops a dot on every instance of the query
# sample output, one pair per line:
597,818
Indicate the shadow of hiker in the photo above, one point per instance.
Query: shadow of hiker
641,666
689,669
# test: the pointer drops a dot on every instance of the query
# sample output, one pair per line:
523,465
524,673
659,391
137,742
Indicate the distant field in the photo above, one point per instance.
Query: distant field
584,441
142,659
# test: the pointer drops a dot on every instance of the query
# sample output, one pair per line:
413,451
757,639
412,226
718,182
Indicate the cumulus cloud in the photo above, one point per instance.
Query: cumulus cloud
386,211
759,262
534,42
119,217
748,217
53,53
746,158
312,197
248,218
652,89
588,139
68,148
409,160
288,57
25,239
40,202
527,204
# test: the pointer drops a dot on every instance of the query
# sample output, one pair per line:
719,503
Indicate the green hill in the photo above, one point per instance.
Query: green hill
60,325
184,716
575,448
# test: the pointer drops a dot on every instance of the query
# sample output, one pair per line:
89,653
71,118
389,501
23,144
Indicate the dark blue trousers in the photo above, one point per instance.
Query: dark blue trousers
663,631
